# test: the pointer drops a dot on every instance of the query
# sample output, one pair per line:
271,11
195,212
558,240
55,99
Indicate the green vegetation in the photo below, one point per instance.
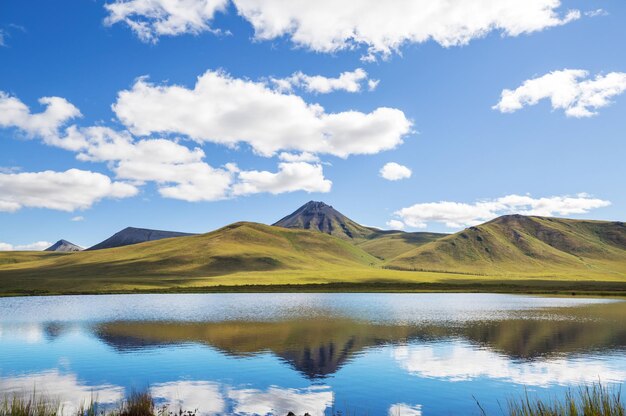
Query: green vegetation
510,254
389,244
595,400
516,245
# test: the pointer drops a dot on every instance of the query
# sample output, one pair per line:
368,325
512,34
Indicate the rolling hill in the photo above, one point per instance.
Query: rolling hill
510,253
235,249
522,244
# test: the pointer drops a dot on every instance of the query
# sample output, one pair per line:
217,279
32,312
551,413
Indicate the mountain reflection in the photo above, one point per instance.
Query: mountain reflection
320,347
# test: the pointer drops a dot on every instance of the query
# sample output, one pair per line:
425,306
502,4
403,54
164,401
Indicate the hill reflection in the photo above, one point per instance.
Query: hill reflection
320,347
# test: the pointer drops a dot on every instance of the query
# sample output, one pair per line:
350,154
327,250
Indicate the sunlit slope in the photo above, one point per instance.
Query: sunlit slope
389,244
237,248
520,244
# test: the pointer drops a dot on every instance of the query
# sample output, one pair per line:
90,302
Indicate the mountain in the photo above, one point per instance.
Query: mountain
131,235
522,244
64,246
318,216
383,244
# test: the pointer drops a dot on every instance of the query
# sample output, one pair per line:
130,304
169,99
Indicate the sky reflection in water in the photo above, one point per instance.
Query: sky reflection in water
409,354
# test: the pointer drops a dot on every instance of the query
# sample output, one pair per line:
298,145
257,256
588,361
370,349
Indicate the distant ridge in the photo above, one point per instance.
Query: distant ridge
64,246
316,215
131,235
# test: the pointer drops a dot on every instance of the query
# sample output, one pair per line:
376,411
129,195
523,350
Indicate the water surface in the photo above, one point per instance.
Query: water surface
377,354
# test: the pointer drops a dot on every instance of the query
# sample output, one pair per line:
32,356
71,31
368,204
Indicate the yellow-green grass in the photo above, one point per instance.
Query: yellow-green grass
256,257
386,245
515,245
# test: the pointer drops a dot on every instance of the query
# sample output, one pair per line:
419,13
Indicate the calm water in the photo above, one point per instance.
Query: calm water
406,354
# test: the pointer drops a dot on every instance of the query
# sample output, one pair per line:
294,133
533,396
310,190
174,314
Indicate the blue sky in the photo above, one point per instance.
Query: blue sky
438,82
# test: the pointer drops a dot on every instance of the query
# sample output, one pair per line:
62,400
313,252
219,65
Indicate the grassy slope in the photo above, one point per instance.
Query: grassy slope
389,244
533,246
258,255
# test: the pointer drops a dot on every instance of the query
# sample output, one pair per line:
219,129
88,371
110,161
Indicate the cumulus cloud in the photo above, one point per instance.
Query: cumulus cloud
65,191
14,113
350,81
78,218
290,177
393,171
458,214
570,90
36,246
329,26
228,111
179,172
150,19
395,225
298,157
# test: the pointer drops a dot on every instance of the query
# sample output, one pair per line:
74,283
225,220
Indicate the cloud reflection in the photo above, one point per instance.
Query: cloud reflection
280,401
202,396
459,361
403,409
66,387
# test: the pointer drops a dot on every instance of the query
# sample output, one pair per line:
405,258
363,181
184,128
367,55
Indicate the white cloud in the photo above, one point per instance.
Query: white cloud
350,81
372,84
36,246
2,36
298,157
395,225
458,215
570,90
66,191
393,171
295,176
14,113
280,401
150,19
329,26
229,111
596,13
78,218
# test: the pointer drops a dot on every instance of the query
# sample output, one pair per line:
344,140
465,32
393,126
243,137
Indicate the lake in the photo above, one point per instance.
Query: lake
376,354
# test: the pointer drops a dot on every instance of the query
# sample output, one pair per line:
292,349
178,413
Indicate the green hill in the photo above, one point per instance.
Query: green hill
508,254
389,244
235,249
520,244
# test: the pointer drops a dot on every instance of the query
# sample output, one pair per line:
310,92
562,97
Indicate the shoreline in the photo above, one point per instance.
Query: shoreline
520,287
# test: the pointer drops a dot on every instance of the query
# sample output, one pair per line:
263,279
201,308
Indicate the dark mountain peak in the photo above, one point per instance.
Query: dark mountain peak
315,205
318,216
64,246
133,235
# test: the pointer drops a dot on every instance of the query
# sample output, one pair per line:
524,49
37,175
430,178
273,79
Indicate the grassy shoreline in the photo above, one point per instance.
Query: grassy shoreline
528,287
587,400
